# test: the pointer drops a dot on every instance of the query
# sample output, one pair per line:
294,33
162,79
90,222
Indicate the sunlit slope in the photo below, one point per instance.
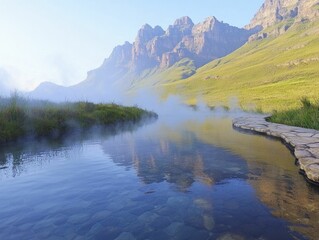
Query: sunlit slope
154,77
268,74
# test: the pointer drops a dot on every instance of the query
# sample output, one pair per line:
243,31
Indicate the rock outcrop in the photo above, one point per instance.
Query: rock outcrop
275,11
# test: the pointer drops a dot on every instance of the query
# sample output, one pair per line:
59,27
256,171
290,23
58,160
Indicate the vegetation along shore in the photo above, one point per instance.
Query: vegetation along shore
306,116
20,117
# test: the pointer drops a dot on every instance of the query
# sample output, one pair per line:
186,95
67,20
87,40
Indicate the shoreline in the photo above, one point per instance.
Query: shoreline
303,142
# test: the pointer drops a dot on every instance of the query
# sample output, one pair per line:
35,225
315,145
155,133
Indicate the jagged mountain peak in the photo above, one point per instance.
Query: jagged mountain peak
146,33
146,27
182,26
159,29
211,19
203,42
207,25
183,21
121,54
275,11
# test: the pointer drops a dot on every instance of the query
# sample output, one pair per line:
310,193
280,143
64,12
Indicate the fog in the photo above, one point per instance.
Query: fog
148,98
98,89
4,83
175,107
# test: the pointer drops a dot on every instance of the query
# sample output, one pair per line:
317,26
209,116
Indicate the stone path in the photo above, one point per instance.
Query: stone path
305,142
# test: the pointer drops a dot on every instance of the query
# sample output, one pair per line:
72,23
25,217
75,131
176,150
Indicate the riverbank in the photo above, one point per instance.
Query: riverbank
304,142
20,118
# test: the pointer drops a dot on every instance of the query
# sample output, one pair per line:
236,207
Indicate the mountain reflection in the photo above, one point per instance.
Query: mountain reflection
181,163
272,173
210,152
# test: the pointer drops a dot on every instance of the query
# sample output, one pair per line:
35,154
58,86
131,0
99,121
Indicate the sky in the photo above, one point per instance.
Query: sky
61,40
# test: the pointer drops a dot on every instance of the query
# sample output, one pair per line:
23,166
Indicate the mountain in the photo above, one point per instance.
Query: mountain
278,15
184,45
268,73
275,11
154,47
272,71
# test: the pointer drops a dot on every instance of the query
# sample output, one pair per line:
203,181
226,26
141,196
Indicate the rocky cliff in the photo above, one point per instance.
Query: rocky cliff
203,42
275,11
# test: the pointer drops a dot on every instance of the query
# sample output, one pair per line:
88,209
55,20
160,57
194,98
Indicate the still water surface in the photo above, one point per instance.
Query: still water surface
195,178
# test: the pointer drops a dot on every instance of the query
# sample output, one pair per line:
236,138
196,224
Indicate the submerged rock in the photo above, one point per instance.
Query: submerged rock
173,228
209,222
230,236
125,236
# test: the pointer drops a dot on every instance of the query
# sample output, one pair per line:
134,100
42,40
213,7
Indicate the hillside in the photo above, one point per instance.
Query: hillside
271,73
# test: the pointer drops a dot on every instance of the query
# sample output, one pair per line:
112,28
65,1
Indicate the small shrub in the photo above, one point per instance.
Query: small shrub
12,122
259,110
226,108
305,102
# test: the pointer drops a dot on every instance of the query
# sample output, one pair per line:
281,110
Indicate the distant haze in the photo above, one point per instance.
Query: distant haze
59,41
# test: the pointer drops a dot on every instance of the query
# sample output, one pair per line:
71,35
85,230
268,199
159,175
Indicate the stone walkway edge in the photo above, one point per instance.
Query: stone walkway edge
305,142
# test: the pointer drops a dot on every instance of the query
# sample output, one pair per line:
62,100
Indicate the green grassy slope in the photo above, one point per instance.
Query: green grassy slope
268,74
152,78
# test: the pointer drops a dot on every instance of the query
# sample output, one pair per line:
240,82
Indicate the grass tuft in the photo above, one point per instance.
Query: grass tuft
306,116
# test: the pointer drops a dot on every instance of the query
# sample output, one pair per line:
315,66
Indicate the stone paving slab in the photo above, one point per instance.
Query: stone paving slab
305,142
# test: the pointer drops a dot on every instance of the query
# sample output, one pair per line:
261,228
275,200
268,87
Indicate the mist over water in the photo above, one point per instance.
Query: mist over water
175,108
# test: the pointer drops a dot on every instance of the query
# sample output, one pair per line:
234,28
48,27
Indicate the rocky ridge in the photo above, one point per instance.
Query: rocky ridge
203,42
273,12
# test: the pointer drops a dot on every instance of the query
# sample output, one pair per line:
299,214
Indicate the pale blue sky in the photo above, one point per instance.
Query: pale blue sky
60,40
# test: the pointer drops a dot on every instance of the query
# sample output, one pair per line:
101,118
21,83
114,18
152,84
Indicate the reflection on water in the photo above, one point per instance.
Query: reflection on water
21,157
272,174
181,163
188,180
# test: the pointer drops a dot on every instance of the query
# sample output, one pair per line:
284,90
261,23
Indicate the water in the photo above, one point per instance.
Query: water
192,178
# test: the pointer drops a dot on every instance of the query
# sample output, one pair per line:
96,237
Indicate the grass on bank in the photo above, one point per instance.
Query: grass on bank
306,116
20,117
